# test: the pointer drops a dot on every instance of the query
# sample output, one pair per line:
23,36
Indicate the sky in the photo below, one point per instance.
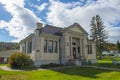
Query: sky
18,18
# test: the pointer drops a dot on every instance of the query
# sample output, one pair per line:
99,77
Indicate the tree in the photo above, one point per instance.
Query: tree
111,46
118,45
98,34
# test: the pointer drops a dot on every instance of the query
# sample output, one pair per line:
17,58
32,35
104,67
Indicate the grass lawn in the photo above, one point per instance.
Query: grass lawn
3,64
107,62
77,73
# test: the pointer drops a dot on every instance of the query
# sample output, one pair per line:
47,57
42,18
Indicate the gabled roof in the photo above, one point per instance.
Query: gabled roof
29,36
52,30
75,24
55,30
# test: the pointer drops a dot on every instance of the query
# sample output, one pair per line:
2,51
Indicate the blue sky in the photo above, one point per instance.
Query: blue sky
18,17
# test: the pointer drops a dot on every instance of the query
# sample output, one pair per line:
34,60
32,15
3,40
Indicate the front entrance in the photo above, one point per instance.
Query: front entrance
75,48
74,52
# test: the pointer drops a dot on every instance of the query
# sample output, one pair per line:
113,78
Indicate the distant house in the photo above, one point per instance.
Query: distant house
107,53
4,55
117,53
50,44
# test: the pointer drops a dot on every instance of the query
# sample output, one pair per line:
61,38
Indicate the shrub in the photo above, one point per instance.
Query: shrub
20,61
50,65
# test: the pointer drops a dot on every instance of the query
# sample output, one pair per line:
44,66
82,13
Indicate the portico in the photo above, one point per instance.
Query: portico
76,48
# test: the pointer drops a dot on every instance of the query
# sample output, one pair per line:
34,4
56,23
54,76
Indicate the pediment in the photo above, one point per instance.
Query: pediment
76,28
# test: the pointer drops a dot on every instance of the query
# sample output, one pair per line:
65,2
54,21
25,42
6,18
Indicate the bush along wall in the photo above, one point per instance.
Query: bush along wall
20,60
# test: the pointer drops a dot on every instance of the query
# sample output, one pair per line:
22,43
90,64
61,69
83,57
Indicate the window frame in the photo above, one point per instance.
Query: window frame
29,47
45,47
56,46
50,50
89,49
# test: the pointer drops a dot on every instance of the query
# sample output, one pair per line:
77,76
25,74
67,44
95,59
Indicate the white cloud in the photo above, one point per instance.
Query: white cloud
42,7
114,34
3,24
61,14
39,7
65,14
23,20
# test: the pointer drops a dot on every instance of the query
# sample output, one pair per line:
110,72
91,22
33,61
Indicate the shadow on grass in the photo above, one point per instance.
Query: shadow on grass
82,71
108,65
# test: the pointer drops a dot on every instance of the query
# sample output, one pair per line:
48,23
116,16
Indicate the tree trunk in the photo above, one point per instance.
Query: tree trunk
100,57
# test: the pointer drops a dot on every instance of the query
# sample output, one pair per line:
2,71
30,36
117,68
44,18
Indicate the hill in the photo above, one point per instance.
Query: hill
8,46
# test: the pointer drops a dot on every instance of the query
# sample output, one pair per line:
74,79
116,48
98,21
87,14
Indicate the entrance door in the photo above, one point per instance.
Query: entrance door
74,52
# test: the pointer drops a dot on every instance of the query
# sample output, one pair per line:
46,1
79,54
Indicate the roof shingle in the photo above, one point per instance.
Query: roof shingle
52,30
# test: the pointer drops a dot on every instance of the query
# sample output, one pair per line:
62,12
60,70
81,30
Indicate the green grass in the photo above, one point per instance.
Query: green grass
76,73
107,62
3,64
109,58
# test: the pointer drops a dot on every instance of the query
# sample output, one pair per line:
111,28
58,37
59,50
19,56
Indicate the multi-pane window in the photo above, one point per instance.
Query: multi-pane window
55,46
45,46
89,49
30,47
50,46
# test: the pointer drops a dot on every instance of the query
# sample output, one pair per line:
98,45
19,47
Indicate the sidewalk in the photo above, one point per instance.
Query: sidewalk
8,69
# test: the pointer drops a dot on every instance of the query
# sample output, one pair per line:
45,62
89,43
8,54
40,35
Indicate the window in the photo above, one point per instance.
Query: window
73,43
45,46
78,49
23,49
30,47
89,49
55,46
50,46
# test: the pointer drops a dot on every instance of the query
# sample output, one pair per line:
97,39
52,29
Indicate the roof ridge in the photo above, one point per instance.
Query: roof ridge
52,26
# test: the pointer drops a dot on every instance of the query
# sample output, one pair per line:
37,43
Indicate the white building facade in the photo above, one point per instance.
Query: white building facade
50,44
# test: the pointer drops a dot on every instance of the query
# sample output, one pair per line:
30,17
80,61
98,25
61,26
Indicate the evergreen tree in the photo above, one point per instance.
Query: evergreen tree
98,34
118,45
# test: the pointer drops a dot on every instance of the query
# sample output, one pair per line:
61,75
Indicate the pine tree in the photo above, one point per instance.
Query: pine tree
118,45
98,34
